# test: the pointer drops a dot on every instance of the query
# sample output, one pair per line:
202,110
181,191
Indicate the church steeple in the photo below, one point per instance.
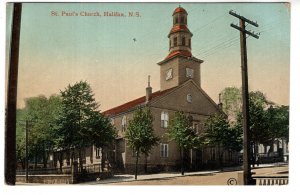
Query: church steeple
180,36
179,65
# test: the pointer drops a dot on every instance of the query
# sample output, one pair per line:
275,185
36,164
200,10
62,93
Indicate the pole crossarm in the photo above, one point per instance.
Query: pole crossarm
243,18
245,31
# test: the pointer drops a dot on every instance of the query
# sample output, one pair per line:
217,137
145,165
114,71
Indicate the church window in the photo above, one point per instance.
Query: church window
164,119
182,19
175,41
98,152
189,98
124,123
176,20
164,150
183,41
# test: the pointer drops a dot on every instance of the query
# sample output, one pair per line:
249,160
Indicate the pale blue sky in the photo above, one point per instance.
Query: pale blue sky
56,51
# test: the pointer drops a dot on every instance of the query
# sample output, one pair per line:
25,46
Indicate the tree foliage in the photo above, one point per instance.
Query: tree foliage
219,133
80,123
40,113
278,120
140,134
181,131
231,101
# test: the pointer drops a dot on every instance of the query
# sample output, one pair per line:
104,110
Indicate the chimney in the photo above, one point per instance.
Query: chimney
220,105
148,90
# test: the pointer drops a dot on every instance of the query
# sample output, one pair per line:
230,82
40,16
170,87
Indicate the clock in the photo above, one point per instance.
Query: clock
169,74
189,73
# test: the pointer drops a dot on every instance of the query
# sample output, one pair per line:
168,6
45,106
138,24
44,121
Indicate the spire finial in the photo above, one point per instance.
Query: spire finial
179,5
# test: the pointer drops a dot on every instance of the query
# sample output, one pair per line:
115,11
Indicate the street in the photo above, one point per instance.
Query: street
198,178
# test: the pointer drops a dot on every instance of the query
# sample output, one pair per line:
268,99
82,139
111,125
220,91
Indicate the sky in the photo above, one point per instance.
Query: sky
59,50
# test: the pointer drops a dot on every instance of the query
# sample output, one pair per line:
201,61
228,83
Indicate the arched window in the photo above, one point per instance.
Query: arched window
175,41
164,119
183,41
124,123
189,98
176,19
182,19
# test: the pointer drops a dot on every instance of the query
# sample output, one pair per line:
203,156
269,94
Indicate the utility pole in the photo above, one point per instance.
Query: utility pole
246,154
26,150
10,122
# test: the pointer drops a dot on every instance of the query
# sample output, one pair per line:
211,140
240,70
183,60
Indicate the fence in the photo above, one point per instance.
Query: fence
95,168
271,180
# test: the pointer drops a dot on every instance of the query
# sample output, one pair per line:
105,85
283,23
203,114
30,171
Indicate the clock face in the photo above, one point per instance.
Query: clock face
189,73
169,74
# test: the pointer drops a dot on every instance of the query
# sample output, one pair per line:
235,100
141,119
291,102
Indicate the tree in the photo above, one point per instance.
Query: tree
40,113
278,124
259,131
20,138
80,123
101,133
180,130
267,120
140,134
231,99
218,132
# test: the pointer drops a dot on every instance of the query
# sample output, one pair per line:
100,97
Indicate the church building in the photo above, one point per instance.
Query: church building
180,90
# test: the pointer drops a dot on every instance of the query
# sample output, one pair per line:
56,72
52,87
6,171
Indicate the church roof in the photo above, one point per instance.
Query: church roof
179,52
178,28
129,105
179,9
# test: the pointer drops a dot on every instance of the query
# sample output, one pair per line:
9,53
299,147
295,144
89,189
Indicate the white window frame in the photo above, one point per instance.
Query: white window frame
164,119
98,152
189,98
164,150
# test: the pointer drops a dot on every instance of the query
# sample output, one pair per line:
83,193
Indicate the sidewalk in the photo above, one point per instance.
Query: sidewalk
129,178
